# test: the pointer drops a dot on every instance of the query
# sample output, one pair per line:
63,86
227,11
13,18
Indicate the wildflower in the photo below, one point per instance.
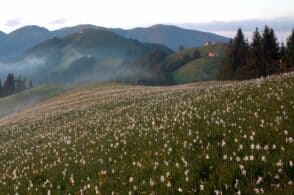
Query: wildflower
162,178
151,182
259,180
279,163
251,157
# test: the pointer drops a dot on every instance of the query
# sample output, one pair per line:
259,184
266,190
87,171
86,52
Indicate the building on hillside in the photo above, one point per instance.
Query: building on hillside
208,43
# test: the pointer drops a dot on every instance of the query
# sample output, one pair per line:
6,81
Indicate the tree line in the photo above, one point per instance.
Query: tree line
262,57
12,85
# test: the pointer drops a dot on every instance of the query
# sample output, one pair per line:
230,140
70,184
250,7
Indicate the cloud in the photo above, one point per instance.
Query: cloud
13,22
59,21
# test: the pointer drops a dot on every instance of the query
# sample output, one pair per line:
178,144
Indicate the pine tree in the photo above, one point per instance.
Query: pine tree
9,85
240,50
290,51
282,55
30,84
270,49
282,51
20,84
258,65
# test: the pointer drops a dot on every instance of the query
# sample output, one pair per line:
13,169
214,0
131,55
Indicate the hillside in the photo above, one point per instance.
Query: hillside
184,66
50,61
202,69
171,36
205,138
28,98
12,45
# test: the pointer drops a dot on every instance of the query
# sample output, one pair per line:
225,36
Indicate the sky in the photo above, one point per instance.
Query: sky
54,14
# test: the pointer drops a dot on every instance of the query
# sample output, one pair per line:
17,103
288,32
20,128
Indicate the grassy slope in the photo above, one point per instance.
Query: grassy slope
120,138
205,68
27,98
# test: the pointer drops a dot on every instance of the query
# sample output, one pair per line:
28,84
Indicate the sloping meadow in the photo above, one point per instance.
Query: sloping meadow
213,137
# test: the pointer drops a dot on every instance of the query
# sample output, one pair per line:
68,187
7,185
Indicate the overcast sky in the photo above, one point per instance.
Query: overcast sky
54,14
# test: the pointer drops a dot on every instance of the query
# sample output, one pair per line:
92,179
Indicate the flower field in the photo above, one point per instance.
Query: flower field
205,138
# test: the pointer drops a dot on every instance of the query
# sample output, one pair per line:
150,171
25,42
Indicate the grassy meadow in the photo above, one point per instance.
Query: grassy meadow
204,138
202,69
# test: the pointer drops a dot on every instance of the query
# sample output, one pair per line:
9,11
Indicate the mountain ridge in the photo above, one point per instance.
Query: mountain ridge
62,59
15,43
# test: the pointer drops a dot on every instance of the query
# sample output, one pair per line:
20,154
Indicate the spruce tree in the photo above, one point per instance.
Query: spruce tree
282,56
290,51
30,84
282,51
240,50
270,49
257,55
9,85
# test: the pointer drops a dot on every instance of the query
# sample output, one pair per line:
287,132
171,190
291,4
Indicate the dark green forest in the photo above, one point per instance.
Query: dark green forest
12,85
264,56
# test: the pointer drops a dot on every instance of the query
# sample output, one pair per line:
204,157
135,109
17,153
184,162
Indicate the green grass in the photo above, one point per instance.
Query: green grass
205,68
28,98
192,139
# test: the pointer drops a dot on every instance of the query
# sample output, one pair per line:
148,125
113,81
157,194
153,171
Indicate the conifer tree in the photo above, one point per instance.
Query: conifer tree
240,50
257,54
30,84
9,85
290,51
270,49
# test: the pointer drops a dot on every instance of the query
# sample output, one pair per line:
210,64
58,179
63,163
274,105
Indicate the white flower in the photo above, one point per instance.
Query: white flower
251,157
259,180
151,182
243,172
279,163
162,178
252,146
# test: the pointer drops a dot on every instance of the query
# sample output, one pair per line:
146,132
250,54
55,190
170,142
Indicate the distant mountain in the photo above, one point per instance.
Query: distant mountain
71,30
2,35
21,39
171,36
89,54
16,42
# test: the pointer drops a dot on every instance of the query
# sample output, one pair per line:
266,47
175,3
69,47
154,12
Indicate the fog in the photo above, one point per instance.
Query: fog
27,67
